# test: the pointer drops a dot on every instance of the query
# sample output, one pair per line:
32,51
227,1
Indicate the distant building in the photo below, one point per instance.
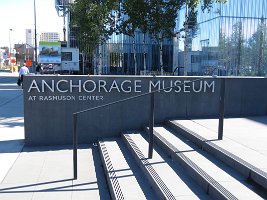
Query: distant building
23,53
30,37
50,36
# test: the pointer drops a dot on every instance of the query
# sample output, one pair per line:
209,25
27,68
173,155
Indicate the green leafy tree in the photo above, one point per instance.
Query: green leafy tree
237,41
95,21
158,17
153,17
257,44
224,51
207,4
244,57
135,17
161,21
231,50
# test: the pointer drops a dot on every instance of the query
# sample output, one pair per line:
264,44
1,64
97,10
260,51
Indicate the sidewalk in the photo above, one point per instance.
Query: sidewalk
11,121
28,173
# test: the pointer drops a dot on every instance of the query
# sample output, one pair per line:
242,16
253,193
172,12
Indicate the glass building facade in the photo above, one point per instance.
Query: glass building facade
123,54
231,40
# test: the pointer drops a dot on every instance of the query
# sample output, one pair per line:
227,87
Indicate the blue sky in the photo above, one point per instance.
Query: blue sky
18,15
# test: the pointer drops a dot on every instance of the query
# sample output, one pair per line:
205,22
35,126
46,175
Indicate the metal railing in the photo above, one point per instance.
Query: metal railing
151,117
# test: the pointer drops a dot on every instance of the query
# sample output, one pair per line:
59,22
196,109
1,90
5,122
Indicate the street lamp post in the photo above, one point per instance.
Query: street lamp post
35,36
10,46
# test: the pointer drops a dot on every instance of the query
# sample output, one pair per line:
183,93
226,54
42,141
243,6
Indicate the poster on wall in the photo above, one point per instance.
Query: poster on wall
50,52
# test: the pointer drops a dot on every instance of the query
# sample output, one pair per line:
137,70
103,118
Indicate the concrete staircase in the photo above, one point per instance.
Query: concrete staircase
184,165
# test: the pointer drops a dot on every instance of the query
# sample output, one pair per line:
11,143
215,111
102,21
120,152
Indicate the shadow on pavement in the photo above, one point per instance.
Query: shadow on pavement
11,146
52,148
49,188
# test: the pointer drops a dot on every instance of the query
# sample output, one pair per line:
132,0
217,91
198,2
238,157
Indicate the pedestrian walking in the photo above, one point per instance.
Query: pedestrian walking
23,71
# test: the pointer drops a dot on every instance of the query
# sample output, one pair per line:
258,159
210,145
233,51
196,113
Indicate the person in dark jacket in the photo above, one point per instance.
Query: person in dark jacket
38,69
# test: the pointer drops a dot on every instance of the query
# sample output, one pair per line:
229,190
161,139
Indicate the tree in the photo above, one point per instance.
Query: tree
232,50
244,57
237,42
224,51
191,25
153,17
161,21
257,43
135,17
99,19
95,20
158,17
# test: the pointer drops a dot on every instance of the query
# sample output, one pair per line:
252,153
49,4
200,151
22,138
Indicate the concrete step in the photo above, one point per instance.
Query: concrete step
216,178
190,130
124,177
166,178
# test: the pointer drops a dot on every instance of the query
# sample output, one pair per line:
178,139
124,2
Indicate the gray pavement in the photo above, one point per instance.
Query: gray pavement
36,173
11,121
46,173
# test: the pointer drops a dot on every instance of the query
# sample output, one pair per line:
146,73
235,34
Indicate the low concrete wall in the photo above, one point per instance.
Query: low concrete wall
49,102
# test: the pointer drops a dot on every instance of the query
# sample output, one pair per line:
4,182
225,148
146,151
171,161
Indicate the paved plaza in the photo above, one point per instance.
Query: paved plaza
35,173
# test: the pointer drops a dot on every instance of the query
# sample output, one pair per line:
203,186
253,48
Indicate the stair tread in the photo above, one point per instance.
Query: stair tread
126,176
244,152
179,184
90,175
223,174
